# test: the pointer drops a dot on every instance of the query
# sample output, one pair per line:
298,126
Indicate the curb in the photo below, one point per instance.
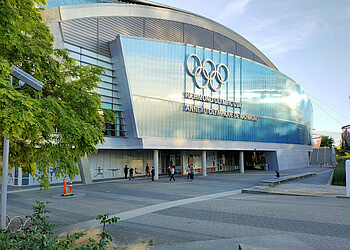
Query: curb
330,180
275,182
262,191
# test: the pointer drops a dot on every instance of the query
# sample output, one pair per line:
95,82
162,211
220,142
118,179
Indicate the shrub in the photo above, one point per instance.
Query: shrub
339,172
40,234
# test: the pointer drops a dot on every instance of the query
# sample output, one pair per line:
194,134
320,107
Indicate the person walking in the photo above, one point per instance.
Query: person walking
126,170
188,171
169,170
192,172
147,171
131,174
172,174
153,172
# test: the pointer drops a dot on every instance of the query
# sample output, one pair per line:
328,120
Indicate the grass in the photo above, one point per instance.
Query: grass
339,172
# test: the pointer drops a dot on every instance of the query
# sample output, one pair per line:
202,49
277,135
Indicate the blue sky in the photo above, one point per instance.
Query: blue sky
308,40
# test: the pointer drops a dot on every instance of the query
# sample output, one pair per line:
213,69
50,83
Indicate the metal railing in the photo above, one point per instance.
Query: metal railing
17,223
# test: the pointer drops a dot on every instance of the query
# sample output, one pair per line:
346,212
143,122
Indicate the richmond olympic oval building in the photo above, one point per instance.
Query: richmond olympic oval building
186,90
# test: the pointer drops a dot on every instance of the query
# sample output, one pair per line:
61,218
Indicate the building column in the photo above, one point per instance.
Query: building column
85,172
204,163
156,163
241,161
19,176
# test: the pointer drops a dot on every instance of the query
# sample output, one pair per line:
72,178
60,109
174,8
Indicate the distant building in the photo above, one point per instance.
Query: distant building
186,90
316,140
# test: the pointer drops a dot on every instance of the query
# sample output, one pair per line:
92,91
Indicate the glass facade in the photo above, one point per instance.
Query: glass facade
106,88
159,77
56,3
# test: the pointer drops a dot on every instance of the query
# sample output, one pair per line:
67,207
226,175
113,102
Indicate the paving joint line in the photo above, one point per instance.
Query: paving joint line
147,210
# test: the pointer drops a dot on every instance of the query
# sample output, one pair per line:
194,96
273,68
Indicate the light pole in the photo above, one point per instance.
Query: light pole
37,85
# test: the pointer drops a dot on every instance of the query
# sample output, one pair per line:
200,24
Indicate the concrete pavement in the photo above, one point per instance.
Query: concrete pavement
208,213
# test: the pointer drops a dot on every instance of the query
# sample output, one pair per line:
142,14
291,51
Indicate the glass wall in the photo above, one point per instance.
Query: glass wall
56,3
176,93
106,88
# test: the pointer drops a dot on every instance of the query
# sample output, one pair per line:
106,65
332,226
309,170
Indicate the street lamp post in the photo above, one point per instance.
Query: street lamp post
4,182
37,85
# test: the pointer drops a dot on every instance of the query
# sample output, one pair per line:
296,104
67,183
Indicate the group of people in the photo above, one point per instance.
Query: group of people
151,173
171,171
131,172
190,172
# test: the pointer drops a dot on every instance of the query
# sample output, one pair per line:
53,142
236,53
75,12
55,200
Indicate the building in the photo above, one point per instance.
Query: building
186,90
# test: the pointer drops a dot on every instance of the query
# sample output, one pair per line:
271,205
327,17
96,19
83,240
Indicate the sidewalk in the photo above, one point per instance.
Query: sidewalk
303,187
300,189
208,213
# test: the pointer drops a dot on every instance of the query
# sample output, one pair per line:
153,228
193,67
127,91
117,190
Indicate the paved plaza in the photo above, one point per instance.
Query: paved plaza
209,213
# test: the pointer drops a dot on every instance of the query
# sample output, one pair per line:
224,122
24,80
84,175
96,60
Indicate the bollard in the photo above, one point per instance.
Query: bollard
64,186
70,187
347,176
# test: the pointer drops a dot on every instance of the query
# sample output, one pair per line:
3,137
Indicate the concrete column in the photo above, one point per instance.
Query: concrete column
241,161
204,163
85,172
19,177
347,173
156,163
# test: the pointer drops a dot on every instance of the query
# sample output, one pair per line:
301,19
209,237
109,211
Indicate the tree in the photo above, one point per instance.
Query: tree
344,144
344,148
327,141
62,122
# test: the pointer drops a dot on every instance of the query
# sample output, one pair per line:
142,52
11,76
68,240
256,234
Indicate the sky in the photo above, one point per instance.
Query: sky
308,40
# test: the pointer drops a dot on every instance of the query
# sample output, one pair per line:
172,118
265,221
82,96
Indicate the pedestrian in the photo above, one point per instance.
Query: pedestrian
147,171
192,172
131,174
188,171
126,170
153,171
277,175
172,174
169,170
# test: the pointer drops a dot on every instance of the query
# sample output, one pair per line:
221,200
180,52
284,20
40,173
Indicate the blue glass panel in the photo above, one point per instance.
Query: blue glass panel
158,78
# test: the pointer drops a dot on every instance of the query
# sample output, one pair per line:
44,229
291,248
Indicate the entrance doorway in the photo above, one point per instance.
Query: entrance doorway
254,160
171,158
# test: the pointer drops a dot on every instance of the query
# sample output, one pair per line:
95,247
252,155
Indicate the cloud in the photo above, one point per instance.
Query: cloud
286,39
280,35
233,9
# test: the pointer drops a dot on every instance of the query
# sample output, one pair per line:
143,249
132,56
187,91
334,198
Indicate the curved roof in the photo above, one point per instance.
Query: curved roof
75,9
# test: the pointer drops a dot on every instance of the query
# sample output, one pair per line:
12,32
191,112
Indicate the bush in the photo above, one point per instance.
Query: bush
339,172
40,234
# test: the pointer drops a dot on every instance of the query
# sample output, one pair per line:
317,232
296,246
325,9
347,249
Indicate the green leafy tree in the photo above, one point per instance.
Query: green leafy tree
344,143
344,149
327,141
63,121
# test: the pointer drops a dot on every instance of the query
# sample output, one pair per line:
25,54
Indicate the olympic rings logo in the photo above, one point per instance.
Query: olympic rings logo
207,76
